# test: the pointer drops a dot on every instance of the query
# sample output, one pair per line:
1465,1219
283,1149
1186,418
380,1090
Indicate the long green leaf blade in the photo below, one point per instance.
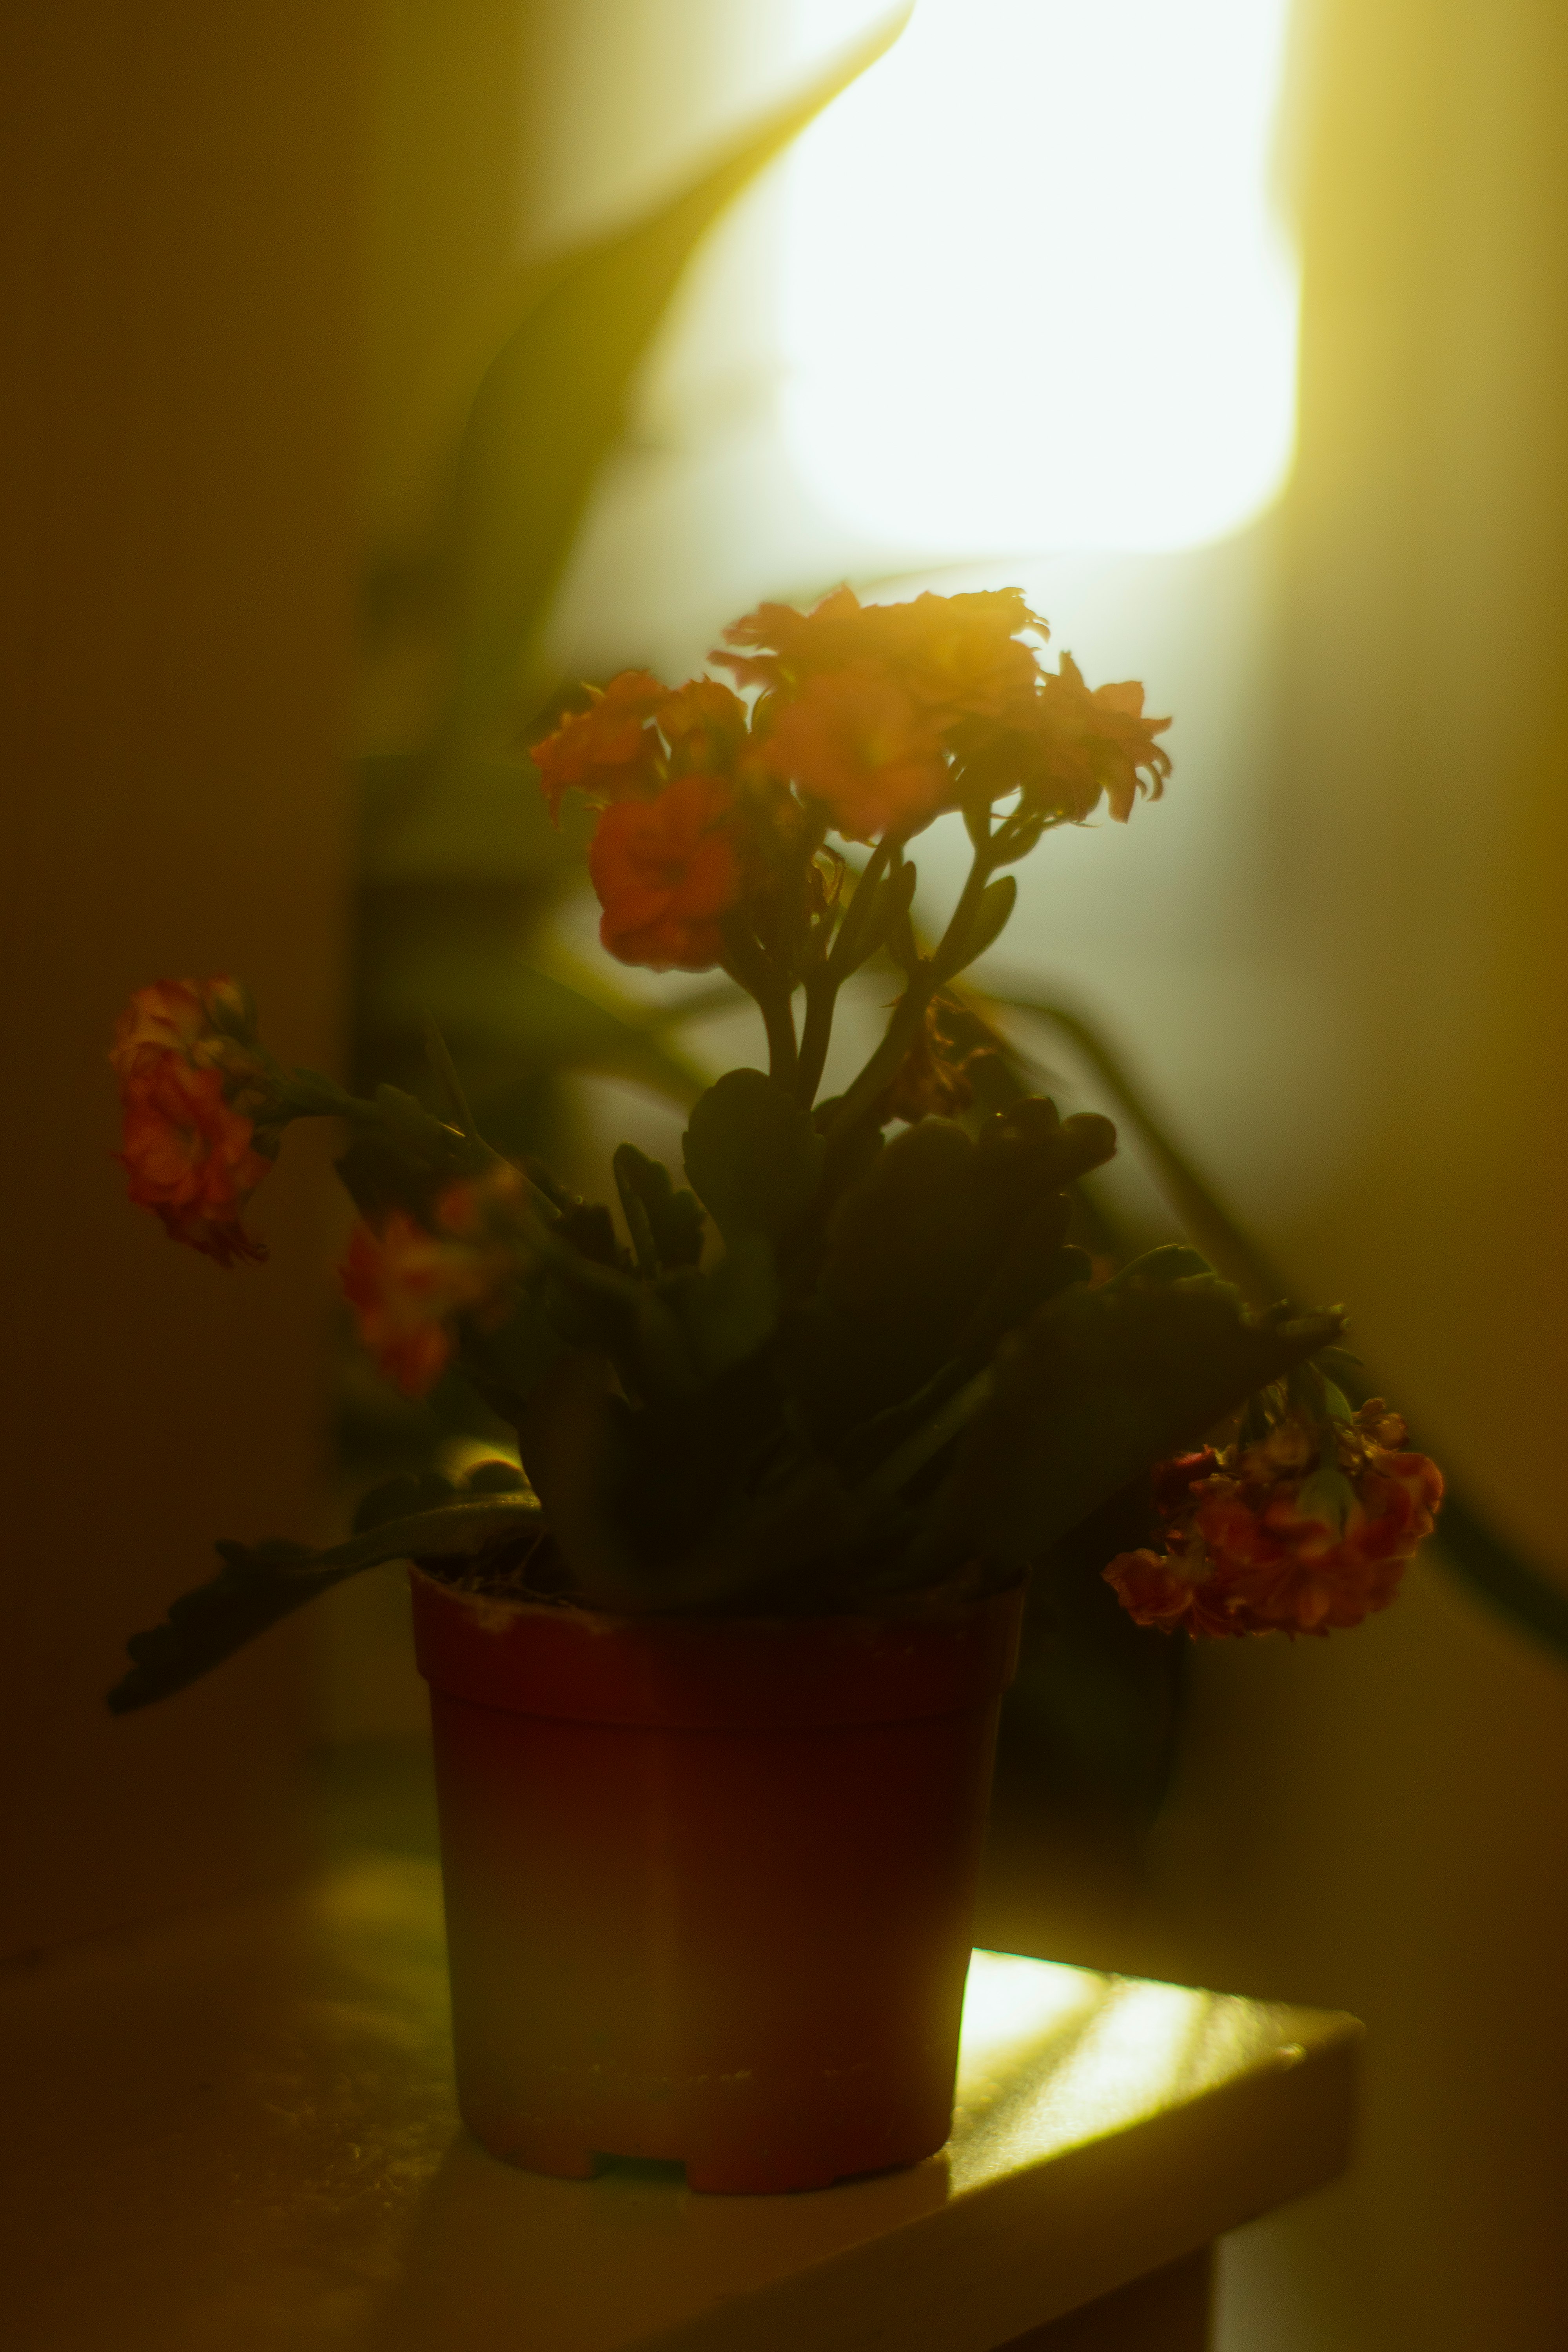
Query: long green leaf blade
550,406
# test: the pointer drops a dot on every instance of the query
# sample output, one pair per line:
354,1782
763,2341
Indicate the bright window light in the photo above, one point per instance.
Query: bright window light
1037,294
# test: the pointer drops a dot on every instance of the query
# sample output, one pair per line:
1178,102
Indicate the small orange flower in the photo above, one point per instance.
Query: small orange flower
955,656
961,656
1259,1541
181,1016
859,743
638,736
667,871
1078,745
802,643
704,724
189,1156
405,1285
607,751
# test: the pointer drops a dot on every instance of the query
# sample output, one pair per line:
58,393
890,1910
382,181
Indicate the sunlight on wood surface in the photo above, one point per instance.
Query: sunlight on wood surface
238,2128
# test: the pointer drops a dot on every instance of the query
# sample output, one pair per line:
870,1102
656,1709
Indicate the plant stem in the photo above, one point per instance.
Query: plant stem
817,1032
446,1071
747,962
903,1027
823,985
962,915
883,1066
931,1437
844,954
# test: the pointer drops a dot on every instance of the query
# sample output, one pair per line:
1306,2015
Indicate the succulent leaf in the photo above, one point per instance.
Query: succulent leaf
258,1584
753,1156
1101,1383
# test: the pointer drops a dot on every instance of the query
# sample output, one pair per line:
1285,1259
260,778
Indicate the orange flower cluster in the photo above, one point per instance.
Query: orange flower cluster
188,1150
668,871
1077,745
1306,1532
878,716
661,765
952,655
886,712
407,1285
637,737
859,700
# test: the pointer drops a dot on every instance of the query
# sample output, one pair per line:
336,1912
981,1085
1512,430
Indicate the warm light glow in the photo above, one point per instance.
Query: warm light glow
1010,2002
1051,2056
1037,292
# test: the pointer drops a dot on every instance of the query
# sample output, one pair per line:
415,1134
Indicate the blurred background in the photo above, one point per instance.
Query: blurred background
1236,334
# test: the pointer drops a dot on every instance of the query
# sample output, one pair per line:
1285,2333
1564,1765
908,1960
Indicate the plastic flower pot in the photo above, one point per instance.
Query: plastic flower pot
708,1881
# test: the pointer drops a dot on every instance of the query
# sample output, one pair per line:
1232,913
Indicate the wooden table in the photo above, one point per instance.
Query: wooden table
235,2133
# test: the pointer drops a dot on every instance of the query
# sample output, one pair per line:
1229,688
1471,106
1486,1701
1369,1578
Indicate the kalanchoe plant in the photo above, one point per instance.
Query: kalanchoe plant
837,1370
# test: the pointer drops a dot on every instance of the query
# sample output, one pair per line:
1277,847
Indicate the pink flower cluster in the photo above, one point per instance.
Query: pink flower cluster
1308,1531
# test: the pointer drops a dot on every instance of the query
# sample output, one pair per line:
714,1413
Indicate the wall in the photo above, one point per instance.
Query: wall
178,202
1376,1822
1382,1822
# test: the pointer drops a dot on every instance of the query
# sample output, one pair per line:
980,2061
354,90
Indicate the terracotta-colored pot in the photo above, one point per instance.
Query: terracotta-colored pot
710,1881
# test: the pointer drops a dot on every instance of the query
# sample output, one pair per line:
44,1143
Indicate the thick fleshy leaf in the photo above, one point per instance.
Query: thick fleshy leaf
730,1312
1101,1384
997,901
502,1013
666,1227
944,1244
507,1362
258,1584
753,1156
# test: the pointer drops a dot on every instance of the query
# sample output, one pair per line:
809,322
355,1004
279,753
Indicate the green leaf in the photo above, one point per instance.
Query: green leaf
503,1014
400,1497
403,1163
1197,1207
551,403
863,934
666,1227
946,1237
753,1156
1038,1264
567,1433
507,1362
261,1583
495,1478
996,903
1468,1543
1102,1385
1523,1593
1096,1712
1171,1262
470,821
427,1141
907,1246
730,1312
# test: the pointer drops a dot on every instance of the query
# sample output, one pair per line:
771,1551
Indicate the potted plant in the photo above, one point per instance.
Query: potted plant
714,1675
